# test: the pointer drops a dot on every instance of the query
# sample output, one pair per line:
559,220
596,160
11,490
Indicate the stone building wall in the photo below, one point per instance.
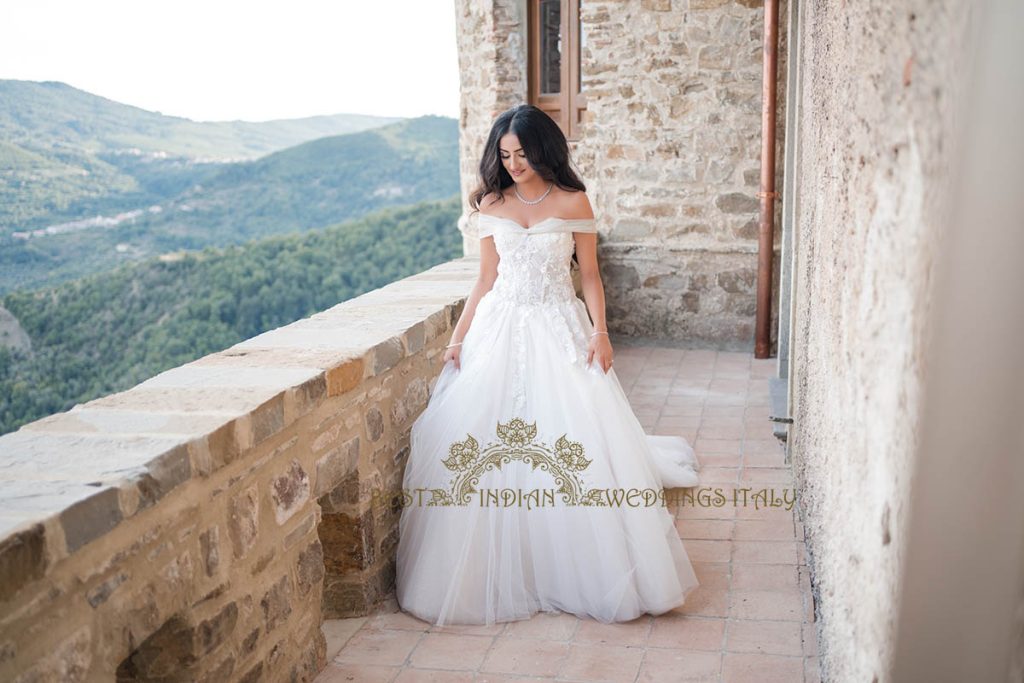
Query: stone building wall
670,151
875,130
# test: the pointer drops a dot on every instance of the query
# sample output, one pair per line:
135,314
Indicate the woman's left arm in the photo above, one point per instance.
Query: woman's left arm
600,347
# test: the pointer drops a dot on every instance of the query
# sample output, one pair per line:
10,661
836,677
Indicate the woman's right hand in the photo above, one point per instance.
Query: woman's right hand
451,353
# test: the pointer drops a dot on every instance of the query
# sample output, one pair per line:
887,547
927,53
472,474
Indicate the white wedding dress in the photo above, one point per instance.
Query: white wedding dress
515,453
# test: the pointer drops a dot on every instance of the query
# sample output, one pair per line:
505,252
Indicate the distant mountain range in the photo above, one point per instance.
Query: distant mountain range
44,114
87,183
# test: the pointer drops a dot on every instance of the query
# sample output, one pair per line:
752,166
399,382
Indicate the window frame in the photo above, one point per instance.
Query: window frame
569,105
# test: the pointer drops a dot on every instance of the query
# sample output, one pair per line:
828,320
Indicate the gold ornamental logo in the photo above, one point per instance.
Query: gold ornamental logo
516,442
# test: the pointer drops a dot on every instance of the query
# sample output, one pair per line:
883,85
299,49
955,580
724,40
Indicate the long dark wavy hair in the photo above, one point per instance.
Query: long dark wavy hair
544,145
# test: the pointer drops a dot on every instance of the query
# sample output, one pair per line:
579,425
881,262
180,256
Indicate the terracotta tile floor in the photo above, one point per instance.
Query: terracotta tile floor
751,619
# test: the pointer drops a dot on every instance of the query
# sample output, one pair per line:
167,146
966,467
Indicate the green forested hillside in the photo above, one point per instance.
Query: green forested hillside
317,183
107,332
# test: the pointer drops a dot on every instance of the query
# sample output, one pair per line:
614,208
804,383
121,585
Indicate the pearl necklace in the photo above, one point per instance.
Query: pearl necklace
534,201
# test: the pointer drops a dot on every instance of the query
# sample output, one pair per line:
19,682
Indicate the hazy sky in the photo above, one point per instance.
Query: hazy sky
225,59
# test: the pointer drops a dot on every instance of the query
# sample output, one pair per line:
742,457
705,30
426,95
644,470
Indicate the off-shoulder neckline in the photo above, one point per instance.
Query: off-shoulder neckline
541,221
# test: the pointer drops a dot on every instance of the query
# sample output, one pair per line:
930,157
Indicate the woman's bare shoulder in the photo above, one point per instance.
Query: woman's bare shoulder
576,204
489,201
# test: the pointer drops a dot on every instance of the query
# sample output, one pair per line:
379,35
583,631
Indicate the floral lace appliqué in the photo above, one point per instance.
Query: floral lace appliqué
535,279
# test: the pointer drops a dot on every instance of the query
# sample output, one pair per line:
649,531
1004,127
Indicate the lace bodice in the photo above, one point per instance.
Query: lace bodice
534,282
534,265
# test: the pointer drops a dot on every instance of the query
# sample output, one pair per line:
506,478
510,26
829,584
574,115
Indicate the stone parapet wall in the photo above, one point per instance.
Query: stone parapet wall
201,525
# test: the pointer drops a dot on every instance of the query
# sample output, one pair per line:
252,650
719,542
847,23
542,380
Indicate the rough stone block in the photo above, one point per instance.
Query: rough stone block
345,377
89,519
410,403
348,542
387,355
344,496
310,570
374,424
289,491
243,520
415,338
276,604
303,399
209,547
737,202
163,475
268,419
333,468
300,532
22,560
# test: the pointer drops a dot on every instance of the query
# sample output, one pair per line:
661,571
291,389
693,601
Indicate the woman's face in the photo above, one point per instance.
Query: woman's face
514,159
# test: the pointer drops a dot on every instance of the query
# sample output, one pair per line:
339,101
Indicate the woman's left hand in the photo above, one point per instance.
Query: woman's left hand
600,349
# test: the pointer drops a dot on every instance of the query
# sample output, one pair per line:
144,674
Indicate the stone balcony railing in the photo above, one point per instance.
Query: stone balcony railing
201,525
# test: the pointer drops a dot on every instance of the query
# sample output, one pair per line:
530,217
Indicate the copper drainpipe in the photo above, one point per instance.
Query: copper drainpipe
767,195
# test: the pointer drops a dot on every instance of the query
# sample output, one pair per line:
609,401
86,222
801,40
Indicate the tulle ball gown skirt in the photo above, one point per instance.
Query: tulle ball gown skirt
531,485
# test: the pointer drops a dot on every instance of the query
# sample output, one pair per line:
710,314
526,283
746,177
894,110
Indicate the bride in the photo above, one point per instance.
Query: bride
530,484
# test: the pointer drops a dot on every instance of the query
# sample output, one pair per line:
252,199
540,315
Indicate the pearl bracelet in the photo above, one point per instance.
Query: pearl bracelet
451,345
598,332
